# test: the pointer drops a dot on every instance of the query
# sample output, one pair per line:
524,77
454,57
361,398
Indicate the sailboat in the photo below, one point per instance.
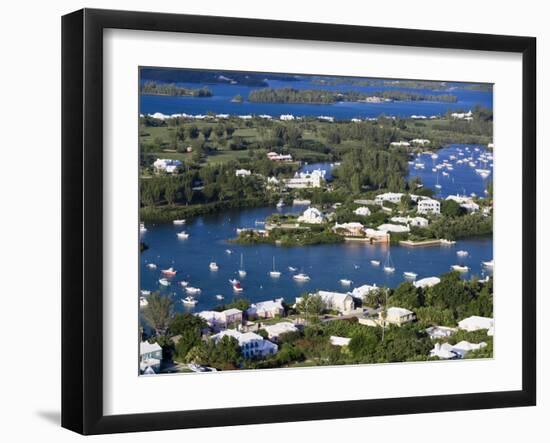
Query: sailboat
274,273
242,272
437,185
388,265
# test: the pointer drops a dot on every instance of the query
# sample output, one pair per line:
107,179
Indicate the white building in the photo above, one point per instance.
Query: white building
339,341
337,301
221,320
266,309
273,156
353,229
436,332
361,291
242,172
377,236
446,351
475,323
150,355
302,180
420,141
389,227
287,117
251,344
398,316
362,210
462,115
278,329
167,165
428,206
427,282
400,143
412,221
393,197
312,216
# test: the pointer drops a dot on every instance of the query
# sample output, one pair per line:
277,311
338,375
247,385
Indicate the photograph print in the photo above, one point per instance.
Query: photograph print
295,220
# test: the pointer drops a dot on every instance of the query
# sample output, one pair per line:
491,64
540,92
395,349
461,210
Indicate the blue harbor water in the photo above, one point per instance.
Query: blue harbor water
208,242
221,102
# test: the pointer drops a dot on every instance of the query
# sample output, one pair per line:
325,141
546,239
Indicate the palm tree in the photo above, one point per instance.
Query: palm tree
158,312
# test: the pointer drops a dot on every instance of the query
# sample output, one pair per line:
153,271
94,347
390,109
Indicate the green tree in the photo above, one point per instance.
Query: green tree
158,312
451,208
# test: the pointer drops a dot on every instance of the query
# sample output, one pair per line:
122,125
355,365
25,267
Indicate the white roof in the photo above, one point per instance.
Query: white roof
427,282
332,297
145,347
363,290
475,323
389,227
440,331
339,341
280,328
362,210
398,312
241,337
349,225
232,311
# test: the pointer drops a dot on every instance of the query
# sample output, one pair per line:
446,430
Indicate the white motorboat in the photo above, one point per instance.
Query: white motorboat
460,268
184,283
434,156
274,273
375,262
179,222
434,169
219,297
411,275
488,264
145,292
292,269
446,242
445,174
462,253
228,251
151,266
345,282
183,235
142,228
213,266
189,301
192,290
242,272
233,281
170,272
301,277
164,282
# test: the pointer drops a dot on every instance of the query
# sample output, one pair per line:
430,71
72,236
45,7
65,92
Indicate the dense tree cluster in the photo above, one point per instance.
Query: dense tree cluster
156,88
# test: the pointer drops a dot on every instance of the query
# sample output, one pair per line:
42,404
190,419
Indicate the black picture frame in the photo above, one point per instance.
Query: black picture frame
82,231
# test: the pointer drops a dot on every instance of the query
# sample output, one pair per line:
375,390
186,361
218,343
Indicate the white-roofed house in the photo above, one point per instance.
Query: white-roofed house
446,351
393,197
278,329
221,320
440,331
397,316
427,282
266,309
361,291
337,301
476,323
251,344
428,206
312,216
242,172
339,341
362,210
150,356
350,229
167,165
389,227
